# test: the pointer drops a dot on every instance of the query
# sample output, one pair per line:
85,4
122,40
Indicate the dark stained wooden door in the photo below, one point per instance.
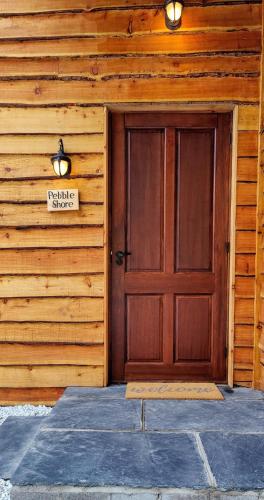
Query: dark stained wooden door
170,213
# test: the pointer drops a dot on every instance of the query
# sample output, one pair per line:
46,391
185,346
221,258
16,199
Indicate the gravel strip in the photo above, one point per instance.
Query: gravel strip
16,411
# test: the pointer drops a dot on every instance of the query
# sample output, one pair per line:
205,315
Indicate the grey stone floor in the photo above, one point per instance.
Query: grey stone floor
96,444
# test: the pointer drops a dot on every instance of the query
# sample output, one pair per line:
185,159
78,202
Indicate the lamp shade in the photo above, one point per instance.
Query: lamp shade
173,13
61,162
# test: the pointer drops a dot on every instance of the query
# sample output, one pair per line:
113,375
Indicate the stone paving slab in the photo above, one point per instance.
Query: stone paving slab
241,393
131,459
239,416
236,460
69,493
16,435
104,414
111,392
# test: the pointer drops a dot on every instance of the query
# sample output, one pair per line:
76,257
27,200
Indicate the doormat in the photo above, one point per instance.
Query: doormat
172,390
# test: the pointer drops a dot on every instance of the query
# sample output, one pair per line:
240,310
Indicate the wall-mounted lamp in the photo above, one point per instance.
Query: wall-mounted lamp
61,163
173,13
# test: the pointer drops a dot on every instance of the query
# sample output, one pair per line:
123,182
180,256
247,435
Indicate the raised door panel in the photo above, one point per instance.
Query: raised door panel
145,199
194,211
144,334
193,328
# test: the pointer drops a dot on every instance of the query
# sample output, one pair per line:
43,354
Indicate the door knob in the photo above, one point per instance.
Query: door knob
120,256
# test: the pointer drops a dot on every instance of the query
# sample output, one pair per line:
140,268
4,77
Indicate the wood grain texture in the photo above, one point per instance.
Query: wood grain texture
248,118
125,22
98,68
246,193
90,190
247,169
247,143
48,144
45,6
246,217
55,237
245,265
245,287
245,242
21,354
32,166
37,215
59,309
59,333
244,336
229,88
51,376
51,261
180,43
52,286
65,120
244,311
47,397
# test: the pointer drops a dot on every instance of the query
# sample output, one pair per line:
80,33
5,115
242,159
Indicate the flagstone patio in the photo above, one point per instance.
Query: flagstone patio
96,444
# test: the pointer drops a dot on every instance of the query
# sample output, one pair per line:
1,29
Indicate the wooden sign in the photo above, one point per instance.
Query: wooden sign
62,199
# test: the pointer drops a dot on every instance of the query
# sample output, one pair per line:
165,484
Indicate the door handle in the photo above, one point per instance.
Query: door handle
120,256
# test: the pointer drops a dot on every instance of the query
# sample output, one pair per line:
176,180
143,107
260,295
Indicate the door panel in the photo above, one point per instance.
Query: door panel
145,200
194,200
170,199
193,321
144,314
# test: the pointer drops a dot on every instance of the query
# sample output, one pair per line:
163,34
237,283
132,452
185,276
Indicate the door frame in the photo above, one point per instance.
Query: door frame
170,107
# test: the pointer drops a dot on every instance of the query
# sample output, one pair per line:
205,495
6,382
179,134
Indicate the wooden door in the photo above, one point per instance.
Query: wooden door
170,216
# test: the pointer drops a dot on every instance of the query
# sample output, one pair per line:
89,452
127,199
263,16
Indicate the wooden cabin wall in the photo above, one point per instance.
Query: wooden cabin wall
61,61
259,334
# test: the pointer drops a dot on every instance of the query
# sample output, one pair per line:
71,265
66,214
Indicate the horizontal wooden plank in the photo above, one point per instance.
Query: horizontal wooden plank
246,218
14,166
244,287
244,311
37,215
243,356
248,118
58,309
61,333
245,241
48,144
247,169
229,88
66,120
52,237
244,336
243,376
52,286
38,6
245,265
51,376
123,22
90,190
246,193
99,68
247,143
22,354
179,43
47,397
45,261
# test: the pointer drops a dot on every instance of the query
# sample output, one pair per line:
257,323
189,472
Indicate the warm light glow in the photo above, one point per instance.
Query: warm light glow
61,167
174,11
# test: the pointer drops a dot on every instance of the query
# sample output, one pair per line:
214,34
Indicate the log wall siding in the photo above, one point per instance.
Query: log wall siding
259,332
60,63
